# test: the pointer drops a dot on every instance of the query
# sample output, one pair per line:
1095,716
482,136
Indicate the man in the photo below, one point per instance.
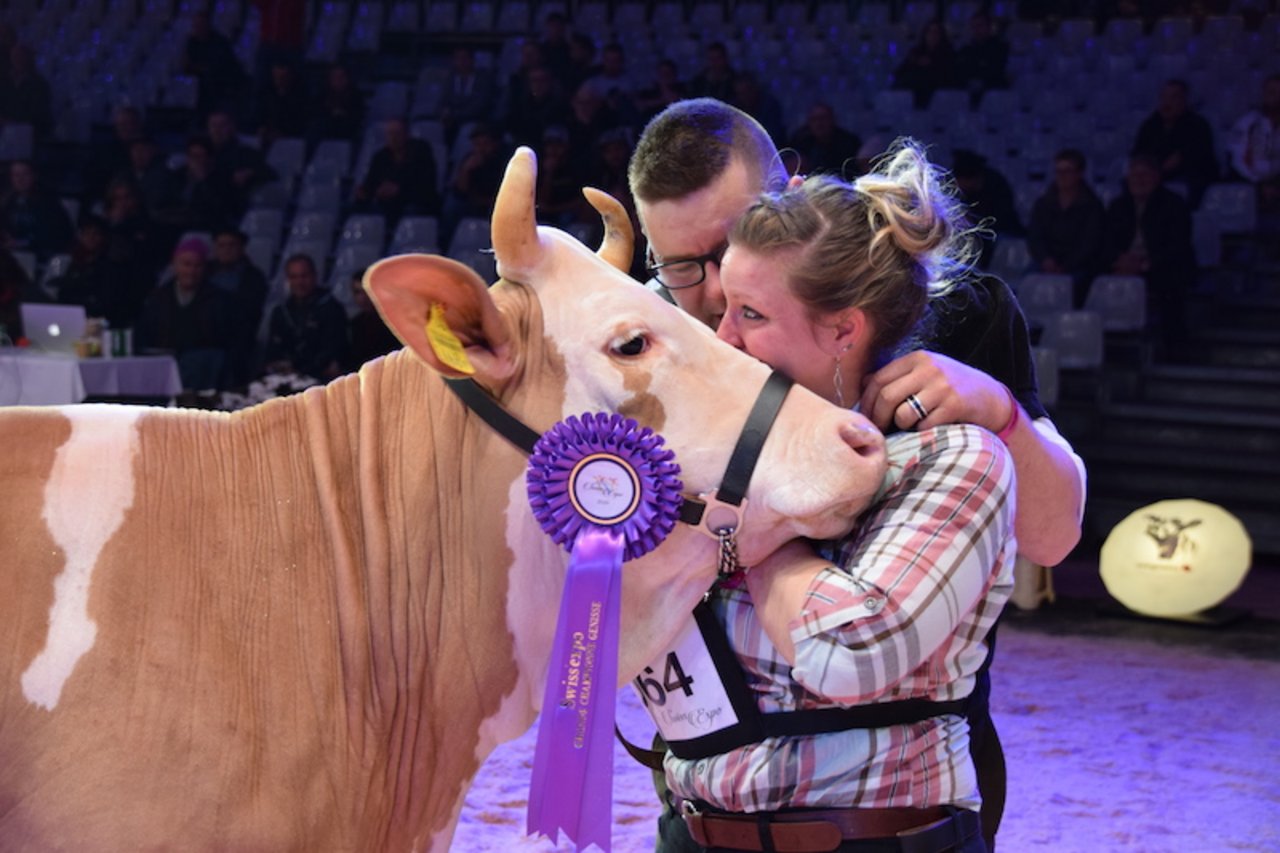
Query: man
823,145
189,318
1065,235
245,285
402,176
307,333
1180,140
1148,229
470,93
237,168
32,219
1255,146
696,168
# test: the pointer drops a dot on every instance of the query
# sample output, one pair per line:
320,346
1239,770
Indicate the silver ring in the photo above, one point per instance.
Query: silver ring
916,406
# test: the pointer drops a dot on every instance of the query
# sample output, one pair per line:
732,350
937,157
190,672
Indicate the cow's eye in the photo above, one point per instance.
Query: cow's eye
632,346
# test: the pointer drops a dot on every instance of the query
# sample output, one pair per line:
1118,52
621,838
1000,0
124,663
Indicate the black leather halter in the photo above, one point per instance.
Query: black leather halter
718,514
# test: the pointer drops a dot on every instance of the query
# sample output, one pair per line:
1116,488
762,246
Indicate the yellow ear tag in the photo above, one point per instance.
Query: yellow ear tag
445,343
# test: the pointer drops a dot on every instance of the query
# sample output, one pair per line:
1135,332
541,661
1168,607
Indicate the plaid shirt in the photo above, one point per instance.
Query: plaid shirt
924,577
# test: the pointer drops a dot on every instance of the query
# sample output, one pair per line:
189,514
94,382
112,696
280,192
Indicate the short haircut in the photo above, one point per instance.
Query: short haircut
300,257
690,144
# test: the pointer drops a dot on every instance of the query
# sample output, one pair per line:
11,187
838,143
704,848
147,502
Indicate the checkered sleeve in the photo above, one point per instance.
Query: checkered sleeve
906,585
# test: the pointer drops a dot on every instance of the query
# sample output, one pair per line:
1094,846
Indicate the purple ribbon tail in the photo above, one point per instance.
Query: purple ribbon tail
571,788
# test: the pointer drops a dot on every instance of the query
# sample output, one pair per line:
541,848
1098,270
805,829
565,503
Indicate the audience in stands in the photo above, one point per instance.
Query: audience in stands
1180,140
664,90
113,157
930,65
989,200
1066,230
822,145
613,85
557,53
982,62
231,272
402,176
470,93
197,200
715,79
31,218
1148,233
1255,146
582,62
209,58
281,35
370,336
537,105
758,102
136,247
307,332
25,96
473,187
282,107
237,168
559,199
339,111
90,279
189,318
146,170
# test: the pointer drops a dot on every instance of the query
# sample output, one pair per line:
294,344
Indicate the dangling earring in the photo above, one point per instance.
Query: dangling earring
838,379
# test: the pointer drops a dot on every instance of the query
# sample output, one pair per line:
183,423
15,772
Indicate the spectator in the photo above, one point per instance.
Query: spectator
25,97
930,65
234,274
1066,234
370,336
665,90
1148,232
89,279
237,168
556,50
307,333
535,107
199,201
32,219
208,57
582,62
402,176
189,318
589,117
989,199
822,145
473,187
981,63
470,94
613,85
282,107
759,103
146,170
134,248
1255,146
1180,140
114,157
608,172
340,110
281,35
15,287
560,179
715,80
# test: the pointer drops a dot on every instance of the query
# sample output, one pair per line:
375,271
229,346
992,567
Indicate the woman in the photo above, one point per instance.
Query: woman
847,669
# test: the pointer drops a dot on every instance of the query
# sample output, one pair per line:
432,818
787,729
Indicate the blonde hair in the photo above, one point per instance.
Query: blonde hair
885,243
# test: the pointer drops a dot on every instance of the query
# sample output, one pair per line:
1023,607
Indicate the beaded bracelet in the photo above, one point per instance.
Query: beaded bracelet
1014,416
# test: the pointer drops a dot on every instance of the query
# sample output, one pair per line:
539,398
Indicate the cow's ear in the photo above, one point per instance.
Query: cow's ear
442,310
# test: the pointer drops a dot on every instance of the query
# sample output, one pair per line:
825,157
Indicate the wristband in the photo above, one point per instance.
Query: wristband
1014,416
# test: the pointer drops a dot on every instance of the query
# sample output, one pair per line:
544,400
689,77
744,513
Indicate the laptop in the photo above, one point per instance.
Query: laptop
53,328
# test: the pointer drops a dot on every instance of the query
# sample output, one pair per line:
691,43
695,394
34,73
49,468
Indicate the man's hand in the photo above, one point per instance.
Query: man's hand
950,392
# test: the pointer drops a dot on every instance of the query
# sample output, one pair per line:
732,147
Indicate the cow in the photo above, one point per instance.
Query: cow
304,625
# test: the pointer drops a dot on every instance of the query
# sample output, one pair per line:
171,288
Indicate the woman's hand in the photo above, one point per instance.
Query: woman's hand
948,391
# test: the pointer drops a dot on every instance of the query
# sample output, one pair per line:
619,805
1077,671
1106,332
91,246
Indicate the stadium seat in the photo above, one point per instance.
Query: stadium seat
1076,338
1234,207
471,240
1046,361
1121,301
1042,295
416,234
363,229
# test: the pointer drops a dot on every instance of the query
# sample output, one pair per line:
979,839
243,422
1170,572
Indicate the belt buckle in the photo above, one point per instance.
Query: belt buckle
688,808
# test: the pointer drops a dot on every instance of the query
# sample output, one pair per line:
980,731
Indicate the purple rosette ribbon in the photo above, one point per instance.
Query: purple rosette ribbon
608,491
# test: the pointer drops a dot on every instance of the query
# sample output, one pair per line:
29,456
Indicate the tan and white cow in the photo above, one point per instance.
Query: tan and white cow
305,625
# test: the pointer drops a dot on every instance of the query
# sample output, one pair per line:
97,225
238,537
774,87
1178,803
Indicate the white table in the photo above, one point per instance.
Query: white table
31,379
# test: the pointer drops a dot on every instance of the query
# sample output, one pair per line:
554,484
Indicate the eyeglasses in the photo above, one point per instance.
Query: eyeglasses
685,272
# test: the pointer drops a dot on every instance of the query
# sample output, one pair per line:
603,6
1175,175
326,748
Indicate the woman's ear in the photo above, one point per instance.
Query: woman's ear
851,329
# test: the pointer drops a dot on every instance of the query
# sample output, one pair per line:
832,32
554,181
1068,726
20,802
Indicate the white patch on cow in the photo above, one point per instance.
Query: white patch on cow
89,490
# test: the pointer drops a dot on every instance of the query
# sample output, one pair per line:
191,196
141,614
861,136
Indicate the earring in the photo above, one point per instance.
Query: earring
838,379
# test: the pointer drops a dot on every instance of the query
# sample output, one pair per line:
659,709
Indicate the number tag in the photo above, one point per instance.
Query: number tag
683,692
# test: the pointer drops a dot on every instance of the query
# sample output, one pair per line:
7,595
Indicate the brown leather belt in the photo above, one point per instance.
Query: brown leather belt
929,830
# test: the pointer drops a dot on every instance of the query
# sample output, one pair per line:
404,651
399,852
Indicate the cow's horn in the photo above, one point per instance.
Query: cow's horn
619,238
514,229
